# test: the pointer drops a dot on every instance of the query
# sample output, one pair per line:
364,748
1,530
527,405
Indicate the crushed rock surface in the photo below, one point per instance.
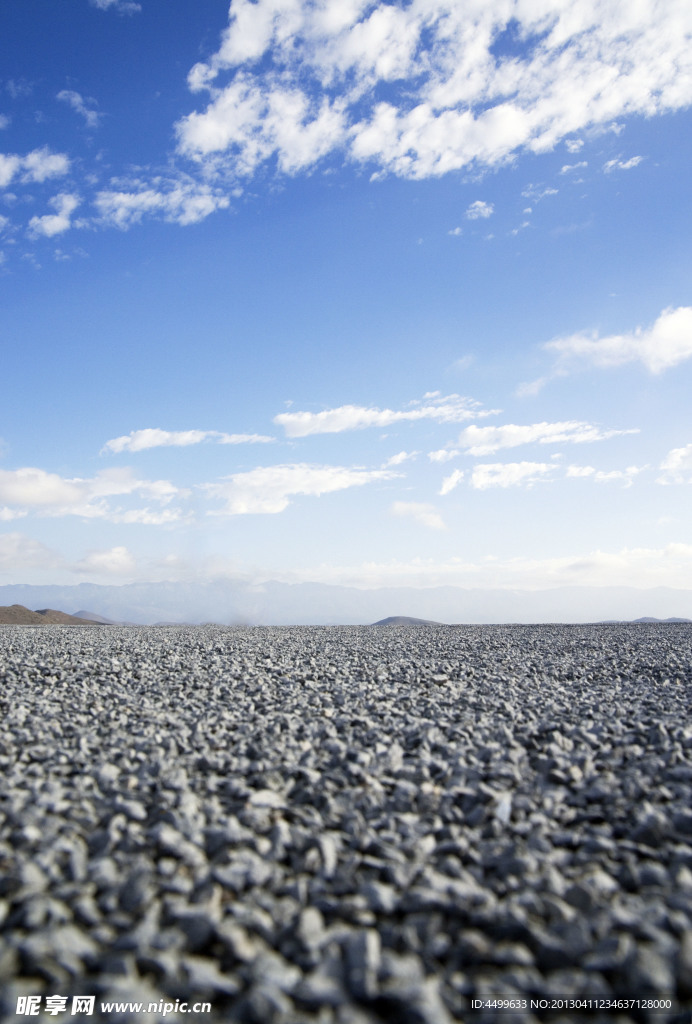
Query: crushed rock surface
347,825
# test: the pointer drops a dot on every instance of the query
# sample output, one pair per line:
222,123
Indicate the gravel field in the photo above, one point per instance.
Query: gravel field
346,825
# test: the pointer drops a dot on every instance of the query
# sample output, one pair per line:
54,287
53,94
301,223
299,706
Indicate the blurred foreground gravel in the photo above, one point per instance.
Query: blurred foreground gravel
349,825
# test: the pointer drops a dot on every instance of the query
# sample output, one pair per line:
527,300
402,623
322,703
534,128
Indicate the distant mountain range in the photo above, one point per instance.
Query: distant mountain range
406,620
649,618
236,602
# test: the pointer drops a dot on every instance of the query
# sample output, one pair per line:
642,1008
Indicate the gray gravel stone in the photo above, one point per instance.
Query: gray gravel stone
346,825
363,951
684,965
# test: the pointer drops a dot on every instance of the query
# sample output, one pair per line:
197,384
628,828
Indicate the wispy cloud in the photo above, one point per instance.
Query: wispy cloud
421,512
451,481
666,343
433,406
530,388
509,474
121,6
622,165
486,440
610,476
85,108
677,466
269,489
443,454
396,460
178,201
153,437
569,168
537,192
623,476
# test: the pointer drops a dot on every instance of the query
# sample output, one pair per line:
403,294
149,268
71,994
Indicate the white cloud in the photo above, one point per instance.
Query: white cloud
153,437
423,513
568,168
49,494
181,202
509,474
622,165
19,552
463,363
9,166
626,476
36,487
677,466
396,460
243,438
41,164
443,455
268,489
37,166
486,440
111,482
146,517
452,481
121,6
6,514
299,131
85,108
433,406
117,561
456,231
574,145
537,192
530,388
294,80
665,344
4,122
479,210
55,223
580,471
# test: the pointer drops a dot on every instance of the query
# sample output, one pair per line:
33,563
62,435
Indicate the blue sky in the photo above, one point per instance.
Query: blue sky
365,293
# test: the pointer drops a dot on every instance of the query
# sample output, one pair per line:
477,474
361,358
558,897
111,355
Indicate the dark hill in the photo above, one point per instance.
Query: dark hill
18,615
101,620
